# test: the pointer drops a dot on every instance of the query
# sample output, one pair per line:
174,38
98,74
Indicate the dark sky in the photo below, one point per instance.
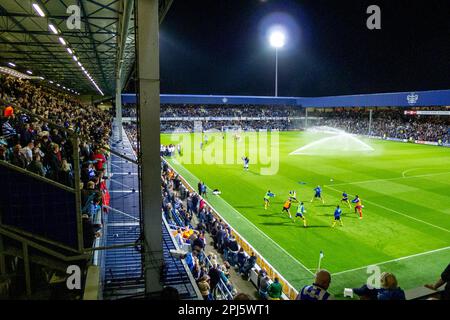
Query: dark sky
218,47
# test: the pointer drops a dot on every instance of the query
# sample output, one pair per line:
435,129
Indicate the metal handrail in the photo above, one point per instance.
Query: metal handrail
186,268
227,292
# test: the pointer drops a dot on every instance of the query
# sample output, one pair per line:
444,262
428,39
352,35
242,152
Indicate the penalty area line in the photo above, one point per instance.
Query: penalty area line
393,260
390,179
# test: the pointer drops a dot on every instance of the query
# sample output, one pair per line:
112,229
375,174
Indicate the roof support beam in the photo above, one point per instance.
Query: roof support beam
105,82
124,22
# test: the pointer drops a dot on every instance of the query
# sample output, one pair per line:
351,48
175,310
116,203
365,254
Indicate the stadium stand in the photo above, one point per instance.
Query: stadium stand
392,123
247,117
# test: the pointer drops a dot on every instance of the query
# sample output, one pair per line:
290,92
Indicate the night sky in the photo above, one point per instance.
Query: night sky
219,47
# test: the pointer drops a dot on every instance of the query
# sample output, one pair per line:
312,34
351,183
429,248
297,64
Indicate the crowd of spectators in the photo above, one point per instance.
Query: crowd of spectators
265,113
37,126
168,111
387,123
244,125
179,207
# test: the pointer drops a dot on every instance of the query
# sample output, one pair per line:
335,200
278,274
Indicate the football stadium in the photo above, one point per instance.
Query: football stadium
115,188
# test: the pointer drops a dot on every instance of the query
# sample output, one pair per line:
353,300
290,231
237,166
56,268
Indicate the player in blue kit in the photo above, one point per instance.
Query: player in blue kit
337,217
318,194
246,162
301,214
345,199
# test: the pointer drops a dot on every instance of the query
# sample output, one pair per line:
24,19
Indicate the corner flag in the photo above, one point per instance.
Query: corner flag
321,255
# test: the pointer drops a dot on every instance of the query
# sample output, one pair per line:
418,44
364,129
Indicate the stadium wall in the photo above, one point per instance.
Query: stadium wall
396,99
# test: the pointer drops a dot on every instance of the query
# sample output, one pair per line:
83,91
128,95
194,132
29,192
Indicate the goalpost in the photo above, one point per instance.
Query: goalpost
232,129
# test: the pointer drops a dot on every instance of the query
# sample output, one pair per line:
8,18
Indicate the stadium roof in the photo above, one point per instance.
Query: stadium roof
30,32
395,99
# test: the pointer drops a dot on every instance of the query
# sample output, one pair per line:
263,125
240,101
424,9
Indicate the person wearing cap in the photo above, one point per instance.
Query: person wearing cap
318,290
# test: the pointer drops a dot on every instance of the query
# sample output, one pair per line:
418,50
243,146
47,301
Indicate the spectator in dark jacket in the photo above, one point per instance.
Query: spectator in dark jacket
90,231
36,165
248,265
233,249
18,159
444,279
241,258
215,276
389,288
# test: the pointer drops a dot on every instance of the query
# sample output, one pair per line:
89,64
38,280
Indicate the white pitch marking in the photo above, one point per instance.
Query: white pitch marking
402,214
393,260
406,171
390,179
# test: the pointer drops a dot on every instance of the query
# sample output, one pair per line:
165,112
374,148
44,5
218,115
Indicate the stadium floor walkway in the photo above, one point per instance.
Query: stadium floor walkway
123,271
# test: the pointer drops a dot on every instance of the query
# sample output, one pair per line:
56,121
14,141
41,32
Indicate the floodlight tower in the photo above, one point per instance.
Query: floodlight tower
277,39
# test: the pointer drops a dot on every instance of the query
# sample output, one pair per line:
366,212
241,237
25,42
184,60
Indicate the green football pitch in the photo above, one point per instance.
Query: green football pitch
405,190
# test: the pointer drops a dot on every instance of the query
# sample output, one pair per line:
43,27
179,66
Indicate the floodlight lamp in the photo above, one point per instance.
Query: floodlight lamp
277,39
52,27
38,10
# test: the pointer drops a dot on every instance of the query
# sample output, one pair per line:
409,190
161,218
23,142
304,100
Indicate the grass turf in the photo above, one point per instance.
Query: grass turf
404,188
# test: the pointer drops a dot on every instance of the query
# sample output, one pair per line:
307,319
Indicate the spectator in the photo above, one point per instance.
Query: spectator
241,258
318,290
36,165
389,288
65,174
27,152
248,265
18,159
200,187
264,287
179,238
242,296
8,132
205,288
275,290
444,279
233,249
90,231
191,259
214,275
